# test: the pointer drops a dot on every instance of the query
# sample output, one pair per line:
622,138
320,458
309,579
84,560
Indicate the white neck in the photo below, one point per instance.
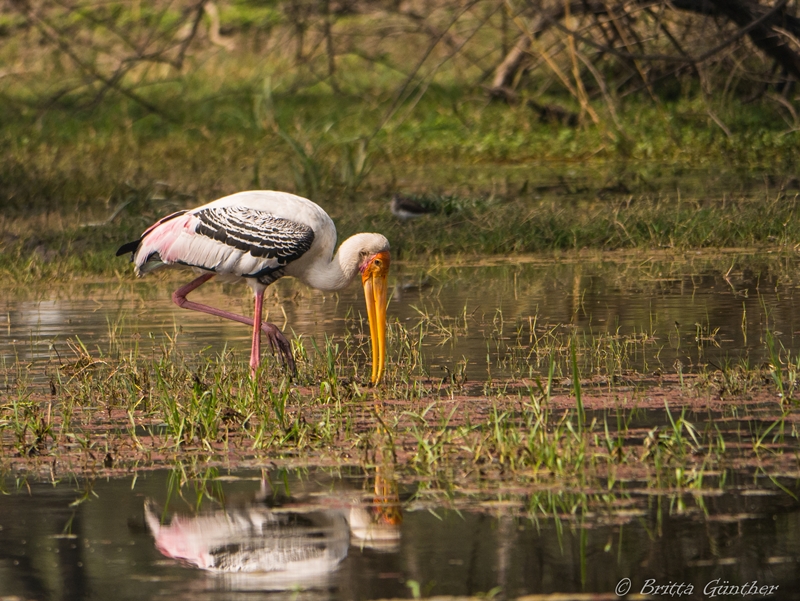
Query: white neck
337,273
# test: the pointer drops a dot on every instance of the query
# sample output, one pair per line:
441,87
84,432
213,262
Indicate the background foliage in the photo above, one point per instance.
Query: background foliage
113,113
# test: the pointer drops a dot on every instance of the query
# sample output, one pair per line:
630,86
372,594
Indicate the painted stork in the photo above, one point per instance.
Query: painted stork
258,237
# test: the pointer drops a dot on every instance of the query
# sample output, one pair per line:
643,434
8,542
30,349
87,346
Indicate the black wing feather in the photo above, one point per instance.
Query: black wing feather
129,247
260,233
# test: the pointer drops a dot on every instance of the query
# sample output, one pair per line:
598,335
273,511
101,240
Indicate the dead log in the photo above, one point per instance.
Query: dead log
768,25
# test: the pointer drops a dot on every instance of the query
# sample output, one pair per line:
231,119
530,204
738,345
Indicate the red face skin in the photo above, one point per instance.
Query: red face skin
373,276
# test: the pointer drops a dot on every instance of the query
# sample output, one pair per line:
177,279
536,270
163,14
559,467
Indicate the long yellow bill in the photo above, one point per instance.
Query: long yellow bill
374,279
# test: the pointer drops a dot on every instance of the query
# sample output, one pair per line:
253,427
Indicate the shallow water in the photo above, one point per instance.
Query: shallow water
692,310
80,541
145,538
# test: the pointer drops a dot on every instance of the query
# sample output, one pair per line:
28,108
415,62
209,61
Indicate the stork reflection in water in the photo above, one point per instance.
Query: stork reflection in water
277,541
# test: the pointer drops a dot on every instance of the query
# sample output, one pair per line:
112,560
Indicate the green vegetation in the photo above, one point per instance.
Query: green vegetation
572,420
90,155
139,404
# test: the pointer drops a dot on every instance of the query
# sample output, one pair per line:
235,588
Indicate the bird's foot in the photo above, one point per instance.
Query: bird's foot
279,345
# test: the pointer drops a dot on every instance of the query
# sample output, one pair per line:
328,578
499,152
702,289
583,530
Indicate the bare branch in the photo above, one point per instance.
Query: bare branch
54,36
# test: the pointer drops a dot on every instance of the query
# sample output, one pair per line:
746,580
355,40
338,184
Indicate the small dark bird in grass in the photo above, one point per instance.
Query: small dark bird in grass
406,208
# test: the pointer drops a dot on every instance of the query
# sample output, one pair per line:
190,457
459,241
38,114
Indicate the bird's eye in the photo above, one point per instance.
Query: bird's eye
377,263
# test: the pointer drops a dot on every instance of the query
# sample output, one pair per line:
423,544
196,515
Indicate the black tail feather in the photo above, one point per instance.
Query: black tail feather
129,247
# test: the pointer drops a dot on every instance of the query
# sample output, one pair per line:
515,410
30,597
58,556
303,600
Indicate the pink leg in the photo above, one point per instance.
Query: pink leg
277,340
255,348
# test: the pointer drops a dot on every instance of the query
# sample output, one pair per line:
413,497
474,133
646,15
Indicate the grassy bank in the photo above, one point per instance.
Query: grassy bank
337,145
75,186
54,246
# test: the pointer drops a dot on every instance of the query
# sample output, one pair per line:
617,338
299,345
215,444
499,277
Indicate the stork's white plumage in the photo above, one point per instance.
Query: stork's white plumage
258,237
